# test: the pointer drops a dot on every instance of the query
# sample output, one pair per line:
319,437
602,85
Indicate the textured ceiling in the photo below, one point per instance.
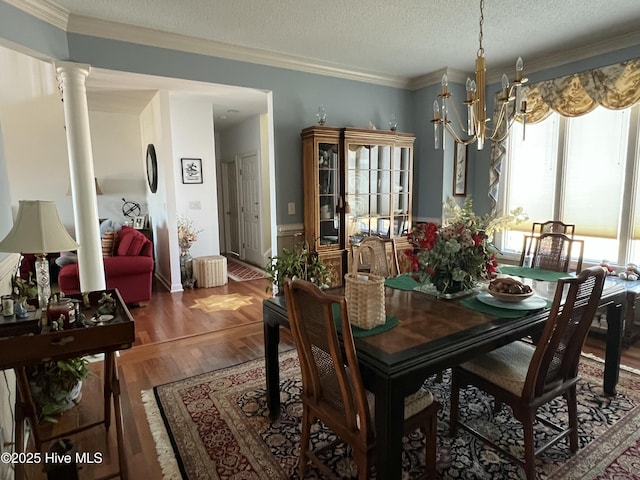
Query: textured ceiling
406,38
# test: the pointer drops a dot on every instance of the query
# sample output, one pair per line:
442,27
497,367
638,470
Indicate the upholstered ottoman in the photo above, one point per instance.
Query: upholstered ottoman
210,271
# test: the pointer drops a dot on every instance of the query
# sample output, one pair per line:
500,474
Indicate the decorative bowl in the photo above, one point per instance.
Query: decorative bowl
511,297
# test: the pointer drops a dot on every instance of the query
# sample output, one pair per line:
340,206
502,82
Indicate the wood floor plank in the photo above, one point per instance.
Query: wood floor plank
173,342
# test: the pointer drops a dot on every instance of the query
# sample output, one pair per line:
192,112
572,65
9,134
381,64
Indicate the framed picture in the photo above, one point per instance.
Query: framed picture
460,171
191,170
140,222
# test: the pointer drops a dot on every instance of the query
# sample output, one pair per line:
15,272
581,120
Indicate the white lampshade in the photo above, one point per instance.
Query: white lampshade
37,230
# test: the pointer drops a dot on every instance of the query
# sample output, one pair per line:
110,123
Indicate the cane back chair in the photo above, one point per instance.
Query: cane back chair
526,376
332,389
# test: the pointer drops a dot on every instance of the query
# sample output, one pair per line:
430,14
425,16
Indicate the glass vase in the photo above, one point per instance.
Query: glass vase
186,265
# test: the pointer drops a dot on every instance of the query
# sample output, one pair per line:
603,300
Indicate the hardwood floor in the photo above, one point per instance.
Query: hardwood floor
175,341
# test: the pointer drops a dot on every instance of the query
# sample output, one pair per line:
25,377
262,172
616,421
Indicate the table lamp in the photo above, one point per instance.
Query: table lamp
38,230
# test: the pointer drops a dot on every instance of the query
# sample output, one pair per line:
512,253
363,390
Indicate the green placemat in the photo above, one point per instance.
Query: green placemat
401,282
533,273
475,304
363,332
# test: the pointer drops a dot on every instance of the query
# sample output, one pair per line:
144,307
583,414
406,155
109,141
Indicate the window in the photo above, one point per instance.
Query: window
578,170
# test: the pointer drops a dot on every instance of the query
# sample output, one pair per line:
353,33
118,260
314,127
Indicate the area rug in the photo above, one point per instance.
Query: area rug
216,426
241,272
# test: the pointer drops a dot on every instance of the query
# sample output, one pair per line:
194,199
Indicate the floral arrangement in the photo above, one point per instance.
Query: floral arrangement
187,234
458,253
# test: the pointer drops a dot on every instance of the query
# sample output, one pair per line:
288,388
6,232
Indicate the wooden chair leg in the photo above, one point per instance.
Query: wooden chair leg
362,461
529,446
305,437
572,407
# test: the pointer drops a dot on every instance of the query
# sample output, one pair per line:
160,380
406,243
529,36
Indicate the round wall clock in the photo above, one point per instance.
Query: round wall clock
152,168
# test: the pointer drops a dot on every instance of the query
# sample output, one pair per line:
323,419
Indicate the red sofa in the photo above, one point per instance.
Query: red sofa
130,269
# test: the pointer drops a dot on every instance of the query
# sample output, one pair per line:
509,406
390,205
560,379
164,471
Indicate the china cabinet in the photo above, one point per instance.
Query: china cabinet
324,196
357,183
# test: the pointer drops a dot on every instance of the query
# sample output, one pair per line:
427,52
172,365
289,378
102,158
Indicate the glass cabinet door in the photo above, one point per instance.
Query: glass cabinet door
329,193
401,191
369,185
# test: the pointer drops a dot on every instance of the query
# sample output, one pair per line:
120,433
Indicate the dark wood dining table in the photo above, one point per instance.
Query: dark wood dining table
432,334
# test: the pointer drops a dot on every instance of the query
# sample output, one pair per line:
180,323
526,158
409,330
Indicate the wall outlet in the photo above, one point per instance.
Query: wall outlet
292,208
195,205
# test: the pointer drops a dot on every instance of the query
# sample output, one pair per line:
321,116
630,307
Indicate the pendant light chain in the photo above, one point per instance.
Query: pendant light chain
481,49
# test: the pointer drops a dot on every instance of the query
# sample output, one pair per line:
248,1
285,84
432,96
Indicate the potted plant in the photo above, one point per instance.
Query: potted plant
298,262
56,386
23,290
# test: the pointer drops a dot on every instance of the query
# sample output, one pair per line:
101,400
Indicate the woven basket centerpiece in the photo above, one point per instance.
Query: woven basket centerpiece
364,293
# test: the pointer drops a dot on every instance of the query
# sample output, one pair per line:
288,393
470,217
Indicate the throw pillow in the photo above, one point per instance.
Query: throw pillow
130,242
108,225
108,243
66,258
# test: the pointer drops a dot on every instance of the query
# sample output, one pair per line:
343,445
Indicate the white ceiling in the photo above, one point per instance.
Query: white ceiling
403,39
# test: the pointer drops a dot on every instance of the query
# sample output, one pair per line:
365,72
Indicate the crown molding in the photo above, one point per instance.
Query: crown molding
59,17
556,58
435,78
156,38
44,10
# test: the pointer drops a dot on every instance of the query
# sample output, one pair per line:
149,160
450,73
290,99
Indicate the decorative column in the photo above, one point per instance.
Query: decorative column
71,80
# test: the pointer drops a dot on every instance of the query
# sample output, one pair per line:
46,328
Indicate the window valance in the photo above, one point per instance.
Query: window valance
614,87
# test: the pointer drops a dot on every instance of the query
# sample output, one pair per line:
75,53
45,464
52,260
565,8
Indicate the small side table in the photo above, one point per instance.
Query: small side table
18,352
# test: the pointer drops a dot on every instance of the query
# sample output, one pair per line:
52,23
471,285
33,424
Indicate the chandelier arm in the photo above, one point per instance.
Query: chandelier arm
457,115
457,137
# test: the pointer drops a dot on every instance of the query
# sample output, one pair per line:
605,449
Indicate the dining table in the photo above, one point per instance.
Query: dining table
430,334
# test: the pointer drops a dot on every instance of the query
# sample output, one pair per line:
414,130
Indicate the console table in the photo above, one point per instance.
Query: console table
18,352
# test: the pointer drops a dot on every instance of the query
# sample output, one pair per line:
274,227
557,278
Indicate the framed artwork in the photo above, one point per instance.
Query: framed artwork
140,222
460,171
191,170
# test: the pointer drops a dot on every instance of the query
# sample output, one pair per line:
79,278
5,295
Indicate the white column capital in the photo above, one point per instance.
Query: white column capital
63,67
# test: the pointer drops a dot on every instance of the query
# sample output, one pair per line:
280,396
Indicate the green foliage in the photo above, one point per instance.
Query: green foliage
23,289
298,262
51,382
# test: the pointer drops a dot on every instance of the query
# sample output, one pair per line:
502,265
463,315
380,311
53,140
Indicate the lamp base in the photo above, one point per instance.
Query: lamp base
43,280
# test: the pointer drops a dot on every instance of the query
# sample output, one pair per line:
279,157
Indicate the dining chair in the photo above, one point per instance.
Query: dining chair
370,255
553,226
332,388
551,251
527,376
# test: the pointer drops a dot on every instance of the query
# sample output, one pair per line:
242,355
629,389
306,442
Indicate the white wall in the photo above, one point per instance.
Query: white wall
193,137
35,144
119,162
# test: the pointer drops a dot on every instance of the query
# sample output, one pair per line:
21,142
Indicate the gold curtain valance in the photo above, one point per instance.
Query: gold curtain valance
614,87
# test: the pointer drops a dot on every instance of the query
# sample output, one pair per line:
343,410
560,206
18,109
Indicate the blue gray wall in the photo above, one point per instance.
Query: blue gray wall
296,97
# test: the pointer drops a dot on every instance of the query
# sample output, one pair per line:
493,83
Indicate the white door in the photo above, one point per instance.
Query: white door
250,209
230,205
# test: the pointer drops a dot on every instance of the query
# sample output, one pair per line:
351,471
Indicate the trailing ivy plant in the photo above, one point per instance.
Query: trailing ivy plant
298,262
52,382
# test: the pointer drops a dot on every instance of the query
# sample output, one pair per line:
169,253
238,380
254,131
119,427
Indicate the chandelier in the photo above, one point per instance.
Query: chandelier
511,105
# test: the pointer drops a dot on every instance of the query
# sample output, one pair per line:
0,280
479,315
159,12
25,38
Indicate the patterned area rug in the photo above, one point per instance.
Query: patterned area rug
216,426
241,272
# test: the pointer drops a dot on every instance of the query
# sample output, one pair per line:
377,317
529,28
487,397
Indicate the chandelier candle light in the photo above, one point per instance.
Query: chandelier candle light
477,128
